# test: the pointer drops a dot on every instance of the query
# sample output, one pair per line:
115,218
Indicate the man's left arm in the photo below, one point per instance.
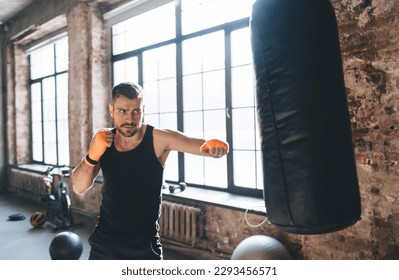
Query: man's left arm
178,141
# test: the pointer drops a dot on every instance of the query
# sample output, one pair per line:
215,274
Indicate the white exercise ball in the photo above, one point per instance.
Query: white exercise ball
260,247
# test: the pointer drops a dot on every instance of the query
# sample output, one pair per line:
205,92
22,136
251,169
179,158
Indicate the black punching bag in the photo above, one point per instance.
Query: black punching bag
310,179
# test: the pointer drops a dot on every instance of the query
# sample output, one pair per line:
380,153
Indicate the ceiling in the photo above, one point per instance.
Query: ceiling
8,8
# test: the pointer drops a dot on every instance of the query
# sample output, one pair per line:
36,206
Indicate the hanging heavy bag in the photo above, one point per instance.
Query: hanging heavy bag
310,179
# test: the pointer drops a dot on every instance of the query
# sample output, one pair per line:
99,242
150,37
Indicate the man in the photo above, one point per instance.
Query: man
132,156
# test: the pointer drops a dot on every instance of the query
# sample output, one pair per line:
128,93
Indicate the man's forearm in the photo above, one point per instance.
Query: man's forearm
83,177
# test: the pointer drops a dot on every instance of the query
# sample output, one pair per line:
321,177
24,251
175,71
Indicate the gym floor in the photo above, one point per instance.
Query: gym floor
20,241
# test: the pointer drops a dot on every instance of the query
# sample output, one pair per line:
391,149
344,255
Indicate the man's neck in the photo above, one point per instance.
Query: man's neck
123,143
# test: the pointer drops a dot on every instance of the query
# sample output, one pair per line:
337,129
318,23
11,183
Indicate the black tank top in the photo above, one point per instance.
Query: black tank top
131,194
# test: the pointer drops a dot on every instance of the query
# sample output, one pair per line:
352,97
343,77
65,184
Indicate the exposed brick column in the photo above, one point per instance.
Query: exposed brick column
11,148
88,78
3,113
101,78
79,109
22,106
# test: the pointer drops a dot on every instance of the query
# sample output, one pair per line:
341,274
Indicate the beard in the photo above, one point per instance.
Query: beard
128,130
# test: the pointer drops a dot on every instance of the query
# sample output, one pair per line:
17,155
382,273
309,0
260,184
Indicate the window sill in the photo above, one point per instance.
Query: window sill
236,202
221,199
31,167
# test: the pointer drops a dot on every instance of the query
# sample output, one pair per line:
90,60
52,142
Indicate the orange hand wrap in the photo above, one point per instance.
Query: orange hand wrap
101,141
215,148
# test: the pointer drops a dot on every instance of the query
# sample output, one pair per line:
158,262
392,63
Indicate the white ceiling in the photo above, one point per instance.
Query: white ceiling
9,8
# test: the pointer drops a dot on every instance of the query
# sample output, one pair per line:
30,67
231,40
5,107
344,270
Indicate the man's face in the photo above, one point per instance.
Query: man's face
127,115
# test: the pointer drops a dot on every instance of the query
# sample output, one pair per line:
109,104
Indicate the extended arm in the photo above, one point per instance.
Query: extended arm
177,141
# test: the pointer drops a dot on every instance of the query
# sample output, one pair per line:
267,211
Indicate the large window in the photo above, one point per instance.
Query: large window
194,59
49,102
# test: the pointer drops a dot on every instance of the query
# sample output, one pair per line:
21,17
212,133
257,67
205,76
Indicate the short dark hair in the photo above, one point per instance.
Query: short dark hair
129,90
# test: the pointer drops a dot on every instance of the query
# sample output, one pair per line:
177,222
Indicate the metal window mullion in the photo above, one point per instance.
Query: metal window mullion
45,77
140,68
30,102
202,106
179,86
111,47
42,118
56,104
229,110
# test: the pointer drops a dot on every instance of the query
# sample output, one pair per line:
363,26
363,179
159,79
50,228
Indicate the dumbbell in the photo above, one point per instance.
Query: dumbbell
181,186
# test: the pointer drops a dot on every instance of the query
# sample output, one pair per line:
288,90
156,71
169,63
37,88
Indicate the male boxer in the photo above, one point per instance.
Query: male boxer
132,157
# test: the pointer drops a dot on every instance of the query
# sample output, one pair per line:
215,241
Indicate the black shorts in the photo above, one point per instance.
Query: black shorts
104,248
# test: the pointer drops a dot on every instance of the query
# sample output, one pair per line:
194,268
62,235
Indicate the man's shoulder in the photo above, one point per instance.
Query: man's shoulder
164,135
161,131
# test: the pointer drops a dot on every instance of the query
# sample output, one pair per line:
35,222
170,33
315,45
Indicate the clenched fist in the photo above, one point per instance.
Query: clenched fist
214,148
99,144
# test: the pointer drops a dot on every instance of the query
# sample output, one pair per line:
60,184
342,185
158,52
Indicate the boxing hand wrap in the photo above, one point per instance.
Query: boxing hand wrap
215,148
101,141
89,161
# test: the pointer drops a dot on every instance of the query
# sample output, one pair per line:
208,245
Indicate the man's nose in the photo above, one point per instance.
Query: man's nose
130,117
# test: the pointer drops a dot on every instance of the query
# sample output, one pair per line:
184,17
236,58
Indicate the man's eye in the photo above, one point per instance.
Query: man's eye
122,111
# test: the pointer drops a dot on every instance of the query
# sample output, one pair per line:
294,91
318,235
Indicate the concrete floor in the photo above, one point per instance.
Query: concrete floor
20,241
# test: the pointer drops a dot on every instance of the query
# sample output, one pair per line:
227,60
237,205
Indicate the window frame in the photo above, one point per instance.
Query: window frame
227,28
55,75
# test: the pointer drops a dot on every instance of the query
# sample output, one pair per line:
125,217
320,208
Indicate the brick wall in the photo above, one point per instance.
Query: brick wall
370,50
369,37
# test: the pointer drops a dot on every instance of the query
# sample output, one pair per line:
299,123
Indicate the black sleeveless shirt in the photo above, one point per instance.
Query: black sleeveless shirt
131,194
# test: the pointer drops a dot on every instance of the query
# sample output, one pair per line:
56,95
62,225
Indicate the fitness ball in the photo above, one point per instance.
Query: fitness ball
260,247
37,219
66,246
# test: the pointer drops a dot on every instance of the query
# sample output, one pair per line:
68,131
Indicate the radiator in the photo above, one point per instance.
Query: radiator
181,223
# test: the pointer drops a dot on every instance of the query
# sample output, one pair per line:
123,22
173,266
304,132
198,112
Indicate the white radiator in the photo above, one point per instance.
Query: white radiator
181,222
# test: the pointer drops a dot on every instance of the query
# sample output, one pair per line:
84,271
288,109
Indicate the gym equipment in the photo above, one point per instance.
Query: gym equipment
57,199
37,219
310,178
260,247
16,217
181,186
66,245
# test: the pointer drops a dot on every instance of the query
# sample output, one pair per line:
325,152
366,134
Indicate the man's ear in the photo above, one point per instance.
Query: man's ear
111,110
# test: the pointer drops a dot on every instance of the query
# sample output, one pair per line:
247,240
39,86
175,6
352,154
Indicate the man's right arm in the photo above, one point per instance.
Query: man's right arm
84,174
83,177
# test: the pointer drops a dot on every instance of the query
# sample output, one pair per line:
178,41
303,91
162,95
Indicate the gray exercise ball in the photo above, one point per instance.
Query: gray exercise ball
261,247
